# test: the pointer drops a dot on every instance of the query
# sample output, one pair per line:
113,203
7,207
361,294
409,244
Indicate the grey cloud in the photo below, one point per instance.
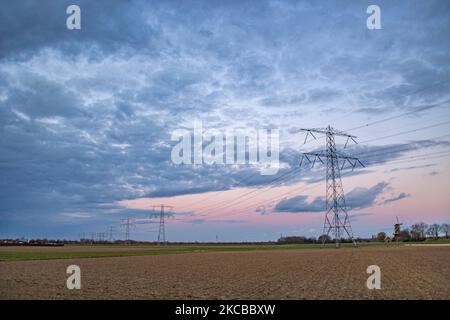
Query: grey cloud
300,204
28,26
37,97
400,196
261,210
413,167
358,198
284,100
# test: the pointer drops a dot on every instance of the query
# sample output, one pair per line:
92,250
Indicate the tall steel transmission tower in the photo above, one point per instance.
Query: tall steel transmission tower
162,227
101,236
92,237
127,223
337,221
110,232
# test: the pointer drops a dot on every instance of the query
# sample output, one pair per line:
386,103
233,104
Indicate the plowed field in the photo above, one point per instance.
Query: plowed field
406,273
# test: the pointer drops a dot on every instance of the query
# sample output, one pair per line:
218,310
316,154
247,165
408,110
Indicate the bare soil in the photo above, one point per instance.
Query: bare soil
406,273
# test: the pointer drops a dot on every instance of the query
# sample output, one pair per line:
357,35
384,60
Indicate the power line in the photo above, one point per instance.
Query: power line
228,202
387,119
397,148
244,200
207,208
408,94
309,187
419,109
239,183
276,198
391,150
409,131
340,222
110,232
434,155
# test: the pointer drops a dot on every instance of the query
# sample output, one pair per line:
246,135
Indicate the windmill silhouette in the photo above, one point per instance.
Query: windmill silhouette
397,230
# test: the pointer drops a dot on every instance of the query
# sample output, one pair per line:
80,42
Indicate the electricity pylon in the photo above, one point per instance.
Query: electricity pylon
110,232
162,227
127,223
101,236
92,237
336,217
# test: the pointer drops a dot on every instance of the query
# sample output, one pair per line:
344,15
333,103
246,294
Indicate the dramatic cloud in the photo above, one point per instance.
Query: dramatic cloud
300,204
86,115
358,198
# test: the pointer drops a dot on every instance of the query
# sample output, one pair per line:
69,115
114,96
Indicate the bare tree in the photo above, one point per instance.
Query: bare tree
324,238
445,228
418,230
404,235
433,230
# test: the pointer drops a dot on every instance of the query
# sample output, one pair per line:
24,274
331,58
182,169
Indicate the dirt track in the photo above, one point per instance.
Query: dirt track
407,273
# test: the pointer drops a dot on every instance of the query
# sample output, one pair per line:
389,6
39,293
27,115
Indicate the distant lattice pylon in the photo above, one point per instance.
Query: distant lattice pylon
162,226
127,223
110,233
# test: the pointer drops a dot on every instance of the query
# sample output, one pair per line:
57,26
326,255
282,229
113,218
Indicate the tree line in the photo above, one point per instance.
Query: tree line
420,231
416,232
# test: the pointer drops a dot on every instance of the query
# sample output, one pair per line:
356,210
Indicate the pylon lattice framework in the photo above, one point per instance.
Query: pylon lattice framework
336,221
162,227
127,223
110,233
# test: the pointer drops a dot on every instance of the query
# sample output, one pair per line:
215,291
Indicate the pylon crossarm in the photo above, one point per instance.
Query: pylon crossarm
306,137
343,164
336,132
362,165
329,130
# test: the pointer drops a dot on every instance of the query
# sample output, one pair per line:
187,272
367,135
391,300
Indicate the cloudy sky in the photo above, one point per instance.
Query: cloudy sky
86,115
